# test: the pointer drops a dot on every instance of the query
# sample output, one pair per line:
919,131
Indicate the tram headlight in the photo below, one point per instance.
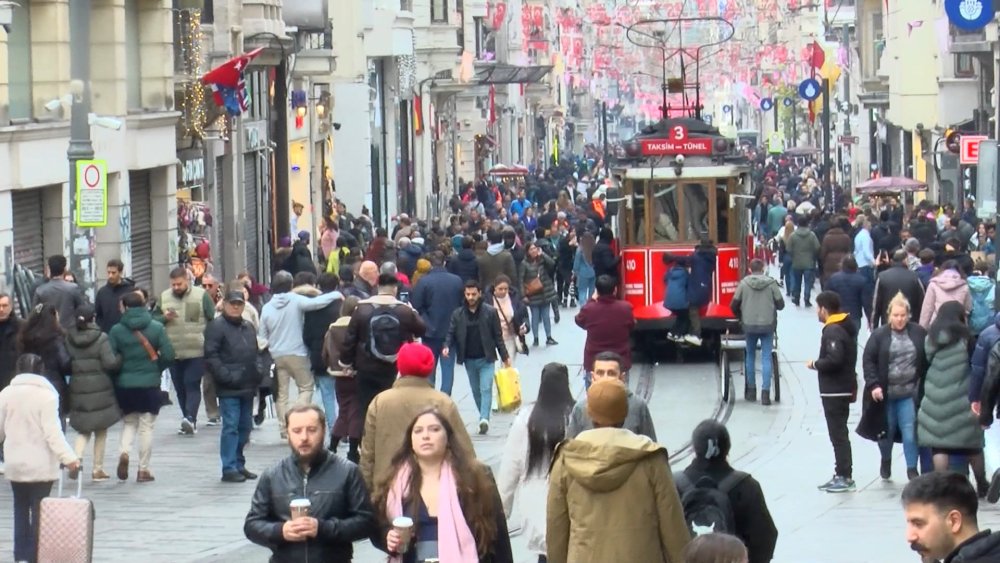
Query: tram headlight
679,164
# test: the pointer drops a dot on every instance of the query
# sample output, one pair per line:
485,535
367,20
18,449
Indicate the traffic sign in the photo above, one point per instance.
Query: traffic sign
969,153
848,140
969,14
91,193
766,104
788,102
809,89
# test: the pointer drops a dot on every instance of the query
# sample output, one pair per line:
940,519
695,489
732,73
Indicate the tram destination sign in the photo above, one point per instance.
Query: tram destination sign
664,147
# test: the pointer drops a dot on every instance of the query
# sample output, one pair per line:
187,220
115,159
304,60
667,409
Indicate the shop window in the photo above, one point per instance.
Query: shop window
19,62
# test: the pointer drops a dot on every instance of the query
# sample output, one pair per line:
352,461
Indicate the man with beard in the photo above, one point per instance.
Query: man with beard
477,340
339,512
185,311
108,302
941,522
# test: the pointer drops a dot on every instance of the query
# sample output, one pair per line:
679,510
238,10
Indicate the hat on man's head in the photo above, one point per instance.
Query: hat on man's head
607,402
235,297
415,359
304,236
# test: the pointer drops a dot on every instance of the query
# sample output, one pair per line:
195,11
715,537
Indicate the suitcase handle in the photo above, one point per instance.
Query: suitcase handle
79,481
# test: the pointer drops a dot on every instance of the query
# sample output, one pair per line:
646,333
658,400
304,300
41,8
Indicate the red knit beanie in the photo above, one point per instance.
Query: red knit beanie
415,359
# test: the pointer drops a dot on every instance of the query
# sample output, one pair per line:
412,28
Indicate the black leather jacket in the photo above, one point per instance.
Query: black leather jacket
231,357
489,329
339,501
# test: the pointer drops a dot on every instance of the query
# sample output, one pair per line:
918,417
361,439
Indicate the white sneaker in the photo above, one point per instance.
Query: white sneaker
692,340
1,468
187,427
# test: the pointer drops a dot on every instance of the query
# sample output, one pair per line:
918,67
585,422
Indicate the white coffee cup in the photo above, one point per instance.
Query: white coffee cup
404,527
299,508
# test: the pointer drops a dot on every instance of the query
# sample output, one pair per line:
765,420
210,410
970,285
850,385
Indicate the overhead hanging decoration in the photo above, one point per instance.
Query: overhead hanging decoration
229,88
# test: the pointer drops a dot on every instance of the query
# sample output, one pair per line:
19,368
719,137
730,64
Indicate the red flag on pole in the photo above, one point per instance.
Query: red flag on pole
418,115
817,57
228,87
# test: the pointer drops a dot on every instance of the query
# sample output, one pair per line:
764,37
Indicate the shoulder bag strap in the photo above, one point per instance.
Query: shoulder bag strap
153,356
503,315
729,482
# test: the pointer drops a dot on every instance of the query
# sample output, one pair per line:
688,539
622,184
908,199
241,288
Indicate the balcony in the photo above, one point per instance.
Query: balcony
971,42
316,56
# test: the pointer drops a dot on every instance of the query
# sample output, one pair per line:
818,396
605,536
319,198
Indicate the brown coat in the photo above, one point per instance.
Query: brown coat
835,247
612,498
388,416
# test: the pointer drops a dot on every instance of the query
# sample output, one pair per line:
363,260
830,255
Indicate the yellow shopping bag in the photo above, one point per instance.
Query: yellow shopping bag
508,389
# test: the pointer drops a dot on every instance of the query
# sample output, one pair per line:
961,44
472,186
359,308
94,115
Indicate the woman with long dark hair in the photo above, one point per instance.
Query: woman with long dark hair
537,273
533,437
450,497
945,421
43,336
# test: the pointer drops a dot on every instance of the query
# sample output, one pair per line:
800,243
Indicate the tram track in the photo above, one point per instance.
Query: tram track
646,384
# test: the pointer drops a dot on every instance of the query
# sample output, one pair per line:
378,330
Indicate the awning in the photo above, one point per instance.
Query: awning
511,74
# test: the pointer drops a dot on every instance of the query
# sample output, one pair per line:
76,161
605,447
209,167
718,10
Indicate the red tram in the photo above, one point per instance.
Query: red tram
680,181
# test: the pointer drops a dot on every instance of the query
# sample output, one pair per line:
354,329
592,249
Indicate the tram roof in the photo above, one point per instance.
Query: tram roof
686,172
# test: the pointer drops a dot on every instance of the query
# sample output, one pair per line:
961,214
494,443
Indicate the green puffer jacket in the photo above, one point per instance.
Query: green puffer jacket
92,403
803,246
138,370
944,419
541,269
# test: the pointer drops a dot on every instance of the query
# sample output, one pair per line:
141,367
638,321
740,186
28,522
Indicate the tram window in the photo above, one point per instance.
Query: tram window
696,211
665,213
722,210
638,214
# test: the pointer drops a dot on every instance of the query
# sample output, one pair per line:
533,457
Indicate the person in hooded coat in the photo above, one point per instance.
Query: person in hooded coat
945,423
604,257
463,264
948,285
835,246
93,407
300,260
851,286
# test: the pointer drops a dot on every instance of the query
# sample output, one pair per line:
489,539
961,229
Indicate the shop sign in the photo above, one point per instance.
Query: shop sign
255,136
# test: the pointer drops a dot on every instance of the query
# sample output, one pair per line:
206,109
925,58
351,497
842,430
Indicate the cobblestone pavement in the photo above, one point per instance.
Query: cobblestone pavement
187,515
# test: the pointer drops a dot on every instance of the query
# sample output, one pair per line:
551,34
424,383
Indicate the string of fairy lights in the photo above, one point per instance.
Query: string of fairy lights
193,102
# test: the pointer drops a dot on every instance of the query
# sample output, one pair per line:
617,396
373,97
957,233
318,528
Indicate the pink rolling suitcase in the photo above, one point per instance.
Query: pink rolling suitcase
66,527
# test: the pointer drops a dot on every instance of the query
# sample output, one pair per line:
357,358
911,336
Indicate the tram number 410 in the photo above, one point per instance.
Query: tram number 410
630,265
734,263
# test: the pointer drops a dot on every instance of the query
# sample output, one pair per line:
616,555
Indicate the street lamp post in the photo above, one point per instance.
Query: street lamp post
80,146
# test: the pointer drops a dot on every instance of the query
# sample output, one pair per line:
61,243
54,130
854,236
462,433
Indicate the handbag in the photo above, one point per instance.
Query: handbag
508,382
153,355
533,287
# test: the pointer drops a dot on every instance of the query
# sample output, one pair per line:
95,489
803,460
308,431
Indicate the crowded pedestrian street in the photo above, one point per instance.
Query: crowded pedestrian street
192,517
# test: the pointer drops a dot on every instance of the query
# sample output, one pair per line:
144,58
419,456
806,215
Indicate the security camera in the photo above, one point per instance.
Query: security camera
336,126
53,105
105,122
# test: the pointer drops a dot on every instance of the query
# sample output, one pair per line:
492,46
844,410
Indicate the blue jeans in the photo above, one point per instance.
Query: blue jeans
902,414
447,364
540,313
869,293
480,373
27,498
766,344
328,394
786,273
237,419
803,280
186,375
584,289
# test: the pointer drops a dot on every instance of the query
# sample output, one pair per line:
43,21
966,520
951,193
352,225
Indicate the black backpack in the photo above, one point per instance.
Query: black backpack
706,504
384,333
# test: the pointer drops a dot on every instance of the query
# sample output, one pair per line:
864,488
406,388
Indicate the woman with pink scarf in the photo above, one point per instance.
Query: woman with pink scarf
451,498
